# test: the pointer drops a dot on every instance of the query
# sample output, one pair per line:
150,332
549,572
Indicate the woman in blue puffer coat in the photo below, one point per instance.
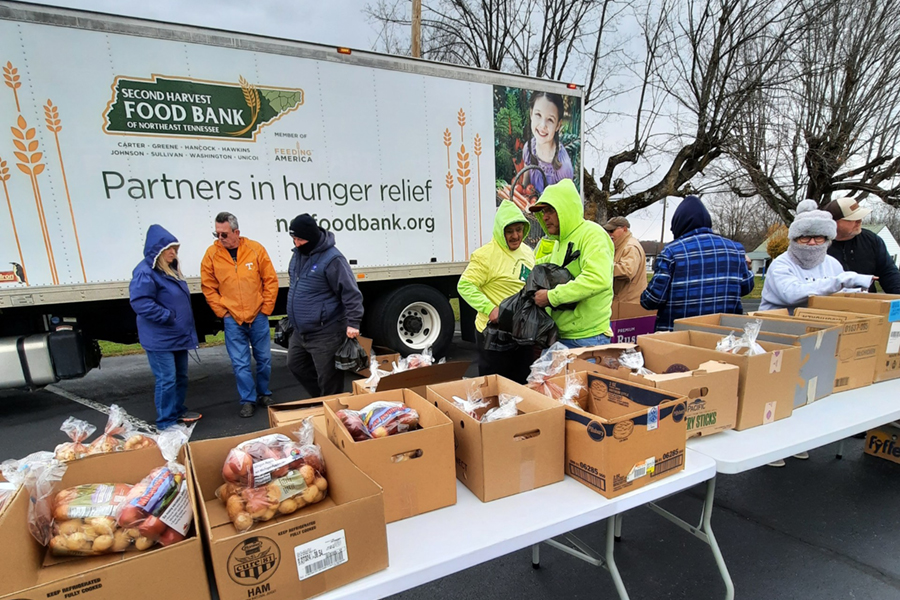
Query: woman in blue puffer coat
165,323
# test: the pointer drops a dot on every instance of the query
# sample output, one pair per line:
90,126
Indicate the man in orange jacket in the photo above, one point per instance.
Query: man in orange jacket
240,285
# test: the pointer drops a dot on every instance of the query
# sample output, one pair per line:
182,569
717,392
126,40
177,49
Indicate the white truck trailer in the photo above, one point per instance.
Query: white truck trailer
110,124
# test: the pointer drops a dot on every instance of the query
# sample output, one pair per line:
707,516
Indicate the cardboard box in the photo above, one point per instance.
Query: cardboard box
624,436
767,381
178,571
348,526
857,349
424,481
711,388
505,457
416,379
297,410
630,320
887,363
818,347
385,356
884,443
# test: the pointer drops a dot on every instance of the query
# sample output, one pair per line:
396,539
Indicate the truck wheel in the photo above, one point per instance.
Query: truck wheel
413,318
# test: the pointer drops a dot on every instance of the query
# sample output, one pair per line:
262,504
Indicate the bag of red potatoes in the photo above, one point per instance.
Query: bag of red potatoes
94,519
272,475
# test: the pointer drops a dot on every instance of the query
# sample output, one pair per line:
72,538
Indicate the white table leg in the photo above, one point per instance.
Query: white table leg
619,519
840,450
536,556
703,532
611,526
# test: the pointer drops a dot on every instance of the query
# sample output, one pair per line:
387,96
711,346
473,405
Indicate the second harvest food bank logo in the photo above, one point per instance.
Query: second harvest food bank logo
173,106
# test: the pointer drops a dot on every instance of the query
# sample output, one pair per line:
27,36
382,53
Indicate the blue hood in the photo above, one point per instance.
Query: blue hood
158,239
690,215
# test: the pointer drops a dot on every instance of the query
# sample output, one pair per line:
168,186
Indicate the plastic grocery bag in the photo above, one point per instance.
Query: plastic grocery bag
634,360
351,356
288,491
283,332
506,408
746,344
571,391
39,472
551,363
78,431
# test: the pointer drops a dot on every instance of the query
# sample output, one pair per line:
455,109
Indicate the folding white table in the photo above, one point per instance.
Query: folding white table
430,546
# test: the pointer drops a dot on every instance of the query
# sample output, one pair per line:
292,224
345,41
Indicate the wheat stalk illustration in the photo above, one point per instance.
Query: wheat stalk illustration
463,173
450,201
448,140
251,97
4,177
477,151
461,120
54,125
30,163
11,77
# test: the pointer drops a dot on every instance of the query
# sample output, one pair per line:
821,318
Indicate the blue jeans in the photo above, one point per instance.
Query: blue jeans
597,340
171,372
239,339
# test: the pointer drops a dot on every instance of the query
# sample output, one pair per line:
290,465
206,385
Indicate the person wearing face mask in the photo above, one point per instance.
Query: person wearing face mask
859,249
495,272
324,305
806,269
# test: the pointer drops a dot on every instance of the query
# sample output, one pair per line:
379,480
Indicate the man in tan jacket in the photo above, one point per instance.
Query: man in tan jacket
629,262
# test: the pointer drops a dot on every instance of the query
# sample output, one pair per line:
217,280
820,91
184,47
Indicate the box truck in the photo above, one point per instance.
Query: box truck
110,124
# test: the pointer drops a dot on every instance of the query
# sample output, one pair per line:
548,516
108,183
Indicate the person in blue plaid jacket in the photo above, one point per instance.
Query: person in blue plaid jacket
700,273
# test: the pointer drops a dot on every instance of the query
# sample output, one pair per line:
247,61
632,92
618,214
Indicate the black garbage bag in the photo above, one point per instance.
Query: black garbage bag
546,277
528,323
351,356
283,332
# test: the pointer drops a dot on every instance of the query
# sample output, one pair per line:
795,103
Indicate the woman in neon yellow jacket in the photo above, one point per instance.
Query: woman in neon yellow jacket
562,218
496,271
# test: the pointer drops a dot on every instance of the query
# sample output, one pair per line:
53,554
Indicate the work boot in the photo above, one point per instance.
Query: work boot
247,409
189,416
265,400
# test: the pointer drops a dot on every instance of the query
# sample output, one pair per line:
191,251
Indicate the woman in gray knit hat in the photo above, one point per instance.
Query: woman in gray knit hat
806,269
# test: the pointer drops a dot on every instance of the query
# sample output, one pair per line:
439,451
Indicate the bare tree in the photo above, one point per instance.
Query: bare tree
744,220
831,124
885,214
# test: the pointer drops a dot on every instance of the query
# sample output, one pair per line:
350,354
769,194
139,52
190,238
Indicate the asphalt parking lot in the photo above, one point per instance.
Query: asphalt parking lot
821,529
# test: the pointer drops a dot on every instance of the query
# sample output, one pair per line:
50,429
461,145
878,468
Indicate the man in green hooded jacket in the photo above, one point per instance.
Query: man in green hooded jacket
496,271
589,250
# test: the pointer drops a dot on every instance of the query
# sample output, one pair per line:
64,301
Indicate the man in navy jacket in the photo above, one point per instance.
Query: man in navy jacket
859,249
324,305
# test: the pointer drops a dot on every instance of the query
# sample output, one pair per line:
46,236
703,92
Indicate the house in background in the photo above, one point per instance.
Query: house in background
651,250
760,257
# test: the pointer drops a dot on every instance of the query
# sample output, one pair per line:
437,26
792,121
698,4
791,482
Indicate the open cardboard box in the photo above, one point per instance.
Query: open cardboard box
711,388
415,468
818,347
318,548
857,349
509,456
630,320
297,410
385,357
767,381
887,365
623,436
416,380
27,570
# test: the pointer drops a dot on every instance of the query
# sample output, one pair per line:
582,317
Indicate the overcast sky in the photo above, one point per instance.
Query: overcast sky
331,22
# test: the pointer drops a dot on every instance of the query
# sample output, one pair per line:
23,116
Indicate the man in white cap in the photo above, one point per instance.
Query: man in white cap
806,269
859,249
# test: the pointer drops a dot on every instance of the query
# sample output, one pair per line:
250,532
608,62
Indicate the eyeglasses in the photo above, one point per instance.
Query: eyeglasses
805,239
220,235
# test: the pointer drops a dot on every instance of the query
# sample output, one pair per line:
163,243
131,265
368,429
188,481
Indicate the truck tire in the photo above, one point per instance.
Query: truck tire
413,318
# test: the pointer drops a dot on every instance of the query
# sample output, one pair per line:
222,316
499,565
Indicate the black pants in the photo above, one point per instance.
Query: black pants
513,364
311,360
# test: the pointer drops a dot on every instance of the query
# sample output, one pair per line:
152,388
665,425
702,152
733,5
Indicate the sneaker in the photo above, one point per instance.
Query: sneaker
802,456
265,399
247,409
777,463
189,416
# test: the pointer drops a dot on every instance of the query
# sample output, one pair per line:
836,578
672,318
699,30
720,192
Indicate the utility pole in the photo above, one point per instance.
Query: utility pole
417,28
662,229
